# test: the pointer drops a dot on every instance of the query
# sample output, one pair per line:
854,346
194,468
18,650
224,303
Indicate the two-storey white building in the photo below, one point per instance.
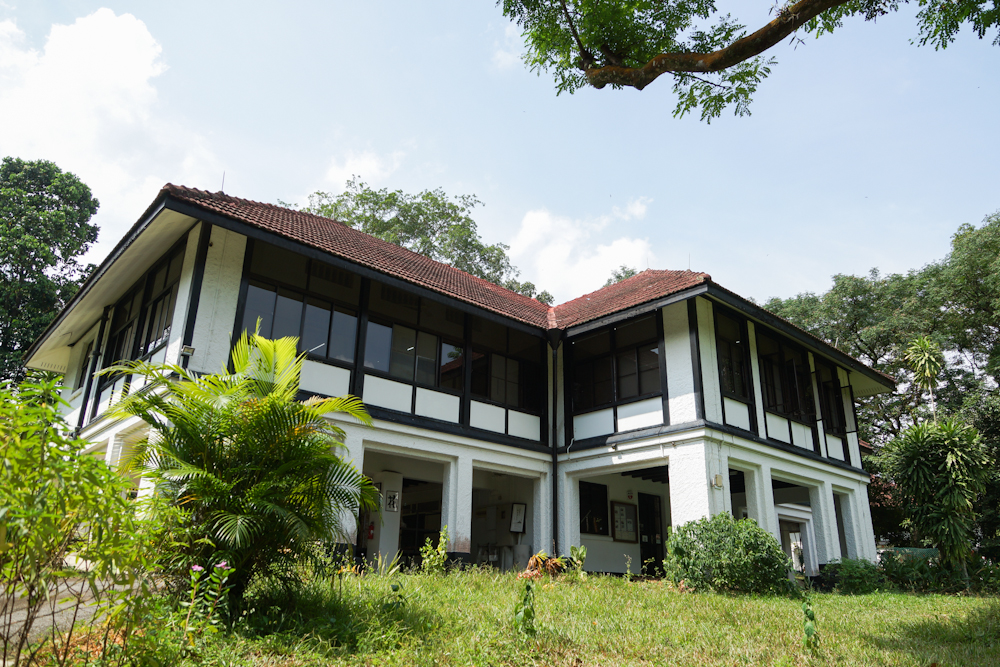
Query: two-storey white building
522,427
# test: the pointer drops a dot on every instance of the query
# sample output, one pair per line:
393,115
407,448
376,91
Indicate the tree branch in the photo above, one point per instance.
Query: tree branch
586,57
787,22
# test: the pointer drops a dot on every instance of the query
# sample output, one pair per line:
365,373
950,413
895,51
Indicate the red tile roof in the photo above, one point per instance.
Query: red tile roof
355,246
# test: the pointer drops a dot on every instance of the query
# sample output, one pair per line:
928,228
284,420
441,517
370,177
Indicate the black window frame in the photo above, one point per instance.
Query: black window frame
576,367
795,378
487,354
441,340
831,400
743,347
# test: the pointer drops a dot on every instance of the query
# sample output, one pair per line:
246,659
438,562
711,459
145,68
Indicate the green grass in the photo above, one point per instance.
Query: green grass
464,618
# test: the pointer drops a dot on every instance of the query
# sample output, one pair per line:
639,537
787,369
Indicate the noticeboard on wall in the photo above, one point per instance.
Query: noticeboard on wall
624,522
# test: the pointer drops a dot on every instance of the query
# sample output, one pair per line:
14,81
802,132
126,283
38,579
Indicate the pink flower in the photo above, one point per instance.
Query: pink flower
224,565
197,568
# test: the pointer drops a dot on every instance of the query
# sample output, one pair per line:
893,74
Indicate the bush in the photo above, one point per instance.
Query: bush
722,554
929,575
853,577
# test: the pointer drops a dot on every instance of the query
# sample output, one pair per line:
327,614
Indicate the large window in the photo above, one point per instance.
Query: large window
615,365
593,509
786,378
291,295
507,366
831,399
414,340
734,366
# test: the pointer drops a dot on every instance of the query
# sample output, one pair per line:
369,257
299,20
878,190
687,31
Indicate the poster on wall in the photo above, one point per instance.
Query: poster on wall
392,501
624,522
517,511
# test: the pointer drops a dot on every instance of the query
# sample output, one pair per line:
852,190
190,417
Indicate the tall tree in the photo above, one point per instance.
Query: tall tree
715,63
44,228
623,272
430,223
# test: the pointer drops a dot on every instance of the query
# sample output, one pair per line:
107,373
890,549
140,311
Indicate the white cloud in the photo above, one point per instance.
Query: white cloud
507,54
369,166
573,257
87,102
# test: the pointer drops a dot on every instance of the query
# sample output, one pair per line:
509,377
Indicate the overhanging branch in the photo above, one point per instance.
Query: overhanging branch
787,22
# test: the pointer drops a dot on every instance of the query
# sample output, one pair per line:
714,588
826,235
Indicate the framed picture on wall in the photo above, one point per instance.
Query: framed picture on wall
624,522
392,501
517,511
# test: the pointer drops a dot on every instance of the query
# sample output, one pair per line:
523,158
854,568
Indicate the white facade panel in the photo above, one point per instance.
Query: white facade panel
737,414
640,414
220,291
835,447
802,436
487,417
523,425
438,405
777,427
594,424
388,394
680,373
709,360
324,379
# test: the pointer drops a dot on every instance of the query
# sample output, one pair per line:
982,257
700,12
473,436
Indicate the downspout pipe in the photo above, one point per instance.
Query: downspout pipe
555,338
94,356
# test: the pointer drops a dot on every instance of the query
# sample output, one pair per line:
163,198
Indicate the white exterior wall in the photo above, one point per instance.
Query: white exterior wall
709,361
680,371
220,291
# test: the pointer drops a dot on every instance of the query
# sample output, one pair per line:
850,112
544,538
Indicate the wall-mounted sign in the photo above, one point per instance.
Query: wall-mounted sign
392,501
517,511
624,522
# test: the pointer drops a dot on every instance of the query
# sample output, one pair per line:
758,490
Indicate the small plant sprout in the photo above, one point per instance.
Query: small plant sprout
434,558
810,639
524,612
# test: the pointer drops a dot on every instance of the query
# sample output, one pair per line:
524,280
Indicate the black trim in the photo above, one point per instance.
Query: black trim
358,377
641,309
555,341
453,429
194,297
568,362
640,434
252,232
699,390
94,355
664,379
465,414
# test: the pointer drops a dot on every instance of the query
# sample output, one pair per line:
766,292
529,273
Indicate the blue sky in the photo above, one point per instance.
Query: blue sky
863,150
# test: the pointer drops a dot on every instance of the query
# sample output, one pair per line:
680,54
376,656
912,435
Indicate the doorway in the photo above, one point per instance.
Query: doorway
650,533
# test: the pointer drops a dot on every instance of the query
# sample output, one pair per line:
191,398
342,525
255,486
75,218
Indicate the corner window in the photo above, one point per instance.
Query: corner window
594,509
831,399
614,365
506,366
786,378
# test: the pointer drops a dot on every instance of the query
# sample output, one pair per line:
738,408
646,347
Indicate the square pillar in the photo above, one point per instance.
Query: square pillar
569,516
692,492
456,507
760,498
825,522
541,501
353,452
386,539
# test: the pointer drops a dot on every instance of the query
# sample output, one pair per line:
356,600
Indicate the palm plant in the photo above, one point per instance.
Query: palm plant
255,469
925,360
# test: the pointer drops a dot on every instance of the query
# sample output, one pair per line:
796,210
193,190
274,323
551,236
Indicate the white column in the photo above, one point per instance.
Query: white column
456,504
541,537
569,515
825,520
809,548
869,549
760,499
386,539
692,495
353,453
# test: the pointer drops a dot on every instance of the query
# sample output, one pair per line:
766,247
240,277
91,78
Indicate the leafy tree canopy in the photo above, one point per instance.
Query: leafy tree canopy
713,59
44,228
429,223
623,272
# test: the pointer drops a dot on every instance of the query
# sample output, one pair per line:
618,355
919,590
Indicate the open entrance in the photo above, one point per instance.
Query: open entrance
623,518
502,519
420,517
795,524
738,494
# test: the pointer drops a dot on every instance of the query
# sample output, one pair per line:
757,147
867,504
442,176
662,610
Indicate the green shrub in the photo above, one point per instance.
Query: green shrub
722,554
853,577
434,558
928,575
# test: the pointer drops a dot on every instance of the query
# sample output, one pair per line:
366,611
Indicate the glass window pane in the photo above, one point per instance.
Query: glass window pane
442,320
524,346
498,377
532,388
378,346
592,346
583,387
480,374
513,383
452,366
633,333
316,331
342,335
649,370
427,346
337,284
287,315
260,304
603,382
628,375
404,346
489,334
278,264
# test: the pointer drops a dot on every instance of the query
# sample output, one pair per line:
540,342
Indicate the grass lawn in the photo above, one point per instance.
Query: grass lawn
465,618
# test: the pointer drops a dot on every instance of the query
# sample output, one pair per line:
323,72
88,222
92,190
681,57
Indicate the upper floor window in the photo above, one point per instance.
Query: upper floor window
831,399
786,378
292,295
507,366
617,364
413,339
734,367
